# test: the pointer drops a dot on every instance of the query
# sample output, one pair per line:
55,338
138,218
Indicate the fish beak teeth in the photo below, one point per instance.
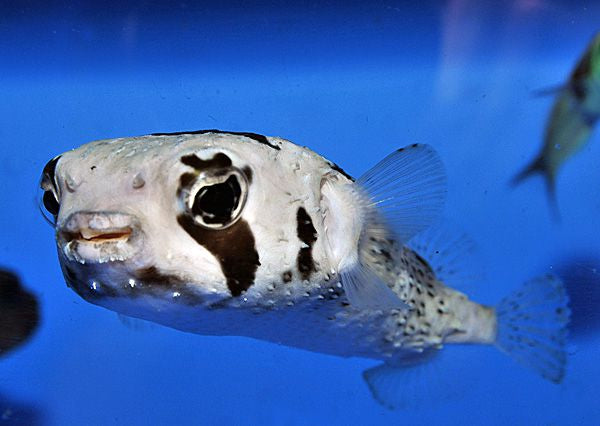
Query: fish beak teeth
98,237
105,235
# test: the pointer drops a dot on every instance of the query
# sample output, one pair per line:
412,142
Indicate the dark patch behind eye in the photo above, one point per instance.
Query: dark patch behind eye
233,247
254,136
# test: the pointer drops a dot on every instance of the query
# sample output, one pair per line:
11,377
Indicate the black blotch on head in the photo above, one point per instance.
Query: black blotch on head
219,161
234,248
185,182
254,136
308,235
19,312
248,173
286,276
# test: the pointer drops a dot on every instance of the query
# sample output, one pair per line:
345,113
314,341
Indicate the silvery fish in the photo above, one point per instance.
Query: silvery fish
19,312
571,122
224,233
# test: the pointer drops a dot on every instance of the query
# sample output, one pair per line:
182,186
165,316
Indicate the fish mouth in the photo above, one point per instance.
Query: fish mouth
99,237
87,235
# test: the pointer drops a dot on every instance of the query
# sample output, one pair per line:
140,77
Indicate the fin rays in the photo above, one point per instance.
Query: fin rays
532,326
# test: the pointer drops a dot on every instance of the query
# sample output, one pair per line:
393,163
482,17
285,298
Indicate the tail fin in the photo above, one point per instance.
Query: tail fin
532,326
538,166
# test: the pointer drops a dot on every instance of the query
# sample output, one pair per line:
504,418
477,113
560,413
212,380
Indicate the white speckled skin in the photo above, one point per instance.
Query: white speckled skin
99,185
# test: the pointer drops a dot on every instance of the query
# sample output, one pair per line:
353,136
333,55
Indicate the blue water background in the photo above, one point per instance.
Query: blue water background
353,81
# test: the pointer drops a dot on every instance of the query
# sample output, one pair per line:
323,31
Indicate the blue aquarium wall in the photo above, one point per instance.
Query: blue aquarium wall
352,81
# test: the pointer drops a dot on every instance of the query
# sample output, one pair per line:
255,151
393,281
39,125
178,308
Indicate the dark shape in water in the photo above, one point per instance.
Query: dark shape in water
19,413
19,314
581,276
574,115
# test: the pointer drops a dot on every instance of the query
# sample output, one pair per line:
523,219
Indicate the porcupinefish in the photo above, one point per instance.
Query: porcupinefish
571,121
224,233
19,312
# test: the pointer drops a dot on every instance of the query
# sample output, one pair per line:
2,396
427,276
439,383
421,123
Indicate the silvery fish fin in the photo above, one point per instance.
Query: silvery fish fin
538,165
550,90
365,290
451,253
407,188
425,379
532,326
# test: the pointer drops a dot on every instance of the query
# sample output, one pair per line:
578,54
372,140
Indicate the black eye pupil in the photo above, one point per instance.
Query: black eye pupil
50,203
216,203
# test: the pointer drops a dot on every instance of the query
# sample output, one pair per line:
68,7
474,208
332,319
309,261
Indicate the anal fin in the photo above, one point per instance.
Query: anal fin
419,381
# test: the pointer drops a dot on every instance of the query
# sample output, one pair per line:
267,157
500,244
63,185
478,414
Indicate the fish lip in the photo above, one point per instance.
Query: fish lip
99,236
88,235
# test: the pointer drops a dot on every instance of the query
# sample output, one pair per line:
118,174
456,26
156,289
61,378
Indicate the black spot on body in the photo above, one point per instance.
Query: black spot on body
152,275
287,276
387,255
234,248
254,136
308,235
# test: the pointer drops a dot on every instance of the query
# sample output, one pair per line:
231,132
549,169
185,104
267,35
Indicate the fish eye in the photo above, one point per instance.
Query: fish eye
50,197
51,203
216,201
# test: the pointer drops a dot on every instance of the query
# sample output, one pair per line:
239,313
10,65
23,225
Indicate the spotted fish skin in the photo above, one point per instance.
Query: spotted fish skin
231,233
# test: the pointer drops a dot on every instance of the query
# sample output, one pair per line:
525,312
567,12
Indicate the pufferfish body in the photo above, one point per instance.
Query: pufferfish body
226,233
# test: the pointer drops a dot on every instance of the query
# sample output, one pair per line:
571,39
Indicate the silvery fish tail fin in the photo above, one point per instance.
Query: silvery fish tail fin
419,381
532,326
402,195
539,166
